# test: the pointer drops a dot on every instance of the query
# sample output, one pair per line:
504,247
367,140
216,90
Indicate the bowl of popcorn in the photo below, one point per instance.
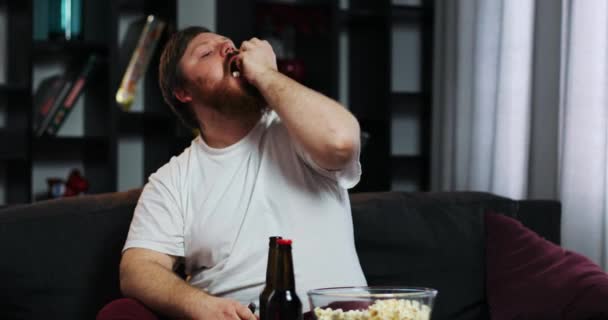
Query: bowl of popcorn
372,303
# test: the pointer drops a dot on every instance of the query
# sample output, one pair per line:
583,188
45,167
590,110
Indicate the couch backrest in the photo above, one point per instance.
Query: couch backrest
435,240
60,258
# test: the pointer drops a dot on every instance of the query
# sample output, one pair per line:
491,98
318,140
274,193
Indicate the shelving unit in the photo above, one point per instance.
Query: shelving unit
91,137
353,58
15,102
149,133
356,61
387,44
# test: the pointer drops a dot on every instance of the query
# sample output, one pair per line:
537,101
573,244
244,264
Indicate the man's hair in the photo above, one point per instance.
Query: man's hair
171,76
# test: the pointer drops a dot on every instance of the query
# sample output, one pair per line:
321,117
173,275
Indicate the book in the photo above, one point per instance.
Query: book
139,61
63,104
52,105
44,99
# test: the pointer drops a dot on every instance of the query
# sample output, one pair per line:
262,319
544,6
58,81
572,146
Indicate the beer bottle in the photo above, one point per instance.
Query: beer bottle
271,272
284,303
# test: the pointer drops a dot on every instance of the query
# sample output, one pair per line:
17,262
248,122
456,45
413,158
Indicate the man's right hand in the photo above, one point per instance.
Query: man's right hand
148,276
255,58
214,308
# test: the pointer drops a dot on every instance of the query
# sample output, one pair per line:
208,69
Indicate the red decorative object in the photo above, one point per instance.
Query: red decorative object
288,24
76,184
310,21
293,68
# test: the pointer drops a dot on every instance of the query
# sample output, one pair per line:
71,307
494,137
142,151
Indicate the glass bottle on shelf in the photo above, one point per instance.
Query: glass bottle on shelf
65,19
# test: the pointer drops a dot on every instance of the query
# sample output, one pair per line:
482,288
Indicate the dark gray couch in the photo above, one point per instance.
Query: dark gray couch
60,258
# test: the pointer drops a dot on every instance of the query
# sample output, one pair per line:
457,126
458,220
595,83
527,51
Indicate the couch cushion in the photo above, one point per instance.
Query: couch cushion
60,258
409,239
529,277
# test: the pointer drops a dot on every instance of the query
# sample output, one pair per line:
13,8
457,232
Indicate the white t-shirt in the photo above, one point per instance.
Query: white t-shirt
217,208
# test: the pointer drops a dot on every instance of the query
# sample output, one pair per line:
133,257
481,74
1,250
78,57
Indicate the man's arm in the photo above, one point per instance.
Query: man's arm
326,130
148,276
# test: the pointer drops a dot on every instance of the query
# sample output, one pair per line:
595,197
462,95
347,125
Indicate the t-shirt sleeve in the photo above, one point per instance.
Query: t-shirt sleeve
347,177
158,221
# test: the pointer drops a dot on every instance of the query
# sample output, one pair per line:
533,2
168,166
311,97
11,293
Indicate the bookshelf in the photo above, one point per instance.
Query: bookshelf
375,58
359,57
92,137
394,107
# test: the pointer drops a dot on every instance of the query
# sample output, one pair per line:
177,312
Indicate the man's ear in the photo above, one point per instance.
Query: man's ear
182,95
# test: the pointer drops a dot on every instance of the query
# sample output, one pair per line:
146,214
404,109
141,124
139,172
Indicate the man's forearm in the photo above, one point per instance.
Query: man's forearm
160,289
324,127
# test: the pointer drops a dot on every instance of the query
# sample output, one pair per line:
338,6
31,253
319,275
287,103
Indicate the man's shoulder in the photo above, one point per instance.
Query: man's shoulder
275,126
177,165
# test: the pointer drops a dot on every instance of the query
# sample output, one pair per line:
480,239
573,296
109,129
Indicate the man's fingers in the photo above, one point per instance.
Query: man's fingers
239,60
244,313
246,45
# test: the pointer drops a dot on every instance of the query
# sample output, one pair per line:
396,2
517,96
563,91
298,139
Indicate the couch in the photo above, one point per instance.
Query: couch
60,257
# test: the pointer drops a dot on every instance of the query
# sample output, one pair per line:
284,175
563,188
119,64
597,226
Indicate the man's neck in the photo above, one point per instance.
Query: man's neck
221,131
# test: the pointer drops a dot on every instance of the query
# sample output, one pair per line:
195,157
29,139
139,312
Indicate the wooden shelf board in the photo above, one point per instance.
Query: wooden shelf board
408,158
406,12
9,88
75,47
305,4
360,17
51,147
148,123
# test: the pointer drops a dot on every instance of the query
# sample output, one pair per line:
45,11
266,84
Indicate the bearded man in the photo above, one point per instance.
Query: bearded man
273,158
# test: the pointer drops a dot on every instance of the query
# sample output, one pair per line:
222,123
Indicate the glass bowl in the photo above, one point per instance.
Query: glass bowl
372,303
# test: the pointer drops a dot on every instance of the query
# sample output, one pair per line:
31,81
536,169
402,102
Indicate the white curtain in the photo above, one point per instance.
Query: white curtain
584,128
521,110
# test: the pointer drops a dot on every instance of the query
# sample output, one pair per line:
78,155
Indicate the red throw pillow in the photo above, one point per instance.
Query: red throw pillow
124,309
528,277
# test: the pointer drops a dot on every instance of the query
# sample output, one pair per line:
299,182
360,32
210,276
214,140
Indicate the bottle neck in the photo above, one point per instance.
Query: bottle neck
273,257
285,279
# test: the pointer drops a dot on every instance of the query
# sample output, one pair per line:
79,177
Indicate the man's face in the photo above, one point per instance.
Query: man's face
206,67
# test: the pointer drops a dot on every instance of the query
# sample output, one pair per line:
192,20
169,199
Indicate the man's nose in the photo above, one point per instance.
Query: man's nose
227,48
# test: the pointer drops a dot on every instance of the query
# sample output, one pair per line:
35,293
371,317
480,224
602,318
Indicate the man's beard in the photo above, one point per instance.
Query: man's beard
236,103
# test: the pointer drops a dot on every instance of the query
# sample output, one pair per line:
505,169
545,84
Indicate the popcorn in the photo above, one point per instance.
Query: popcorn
391,309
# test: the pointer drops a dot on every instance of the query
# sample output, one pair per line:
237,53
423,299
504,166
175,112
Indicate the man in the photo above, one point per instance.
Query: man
273,158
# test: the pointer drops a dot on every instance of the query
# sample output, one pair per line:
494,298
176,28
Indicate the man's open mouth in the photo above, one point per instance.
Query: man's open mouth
234,69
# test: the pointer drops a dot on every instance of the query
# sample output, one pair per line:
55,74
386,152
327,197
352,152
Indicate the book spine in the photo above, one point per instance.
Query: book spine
139,61
72,95
45,104
56,105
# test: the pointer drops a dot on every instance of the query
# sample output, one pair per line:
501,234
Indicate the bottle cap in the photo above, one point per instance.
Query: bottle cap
272,241
284,242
